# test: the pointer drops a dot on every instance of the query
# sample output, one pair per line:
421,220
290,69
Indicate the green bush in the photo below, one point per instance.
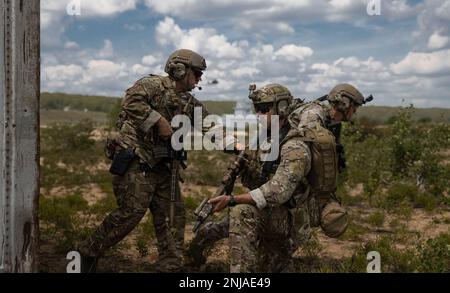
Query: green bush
434,255
113,114
397,193
366,159
145,232
59,101
62,219
67,151
392,259
376,219
398,162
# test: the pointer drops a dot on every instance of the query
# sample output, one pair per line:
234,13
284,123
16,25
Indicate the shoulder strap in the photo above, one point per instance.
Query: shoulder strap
302,134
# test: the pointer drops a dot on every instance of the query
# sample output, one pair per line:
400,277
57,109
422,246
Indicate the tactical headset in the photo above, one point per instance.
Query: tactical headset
280,104
342,103
177,70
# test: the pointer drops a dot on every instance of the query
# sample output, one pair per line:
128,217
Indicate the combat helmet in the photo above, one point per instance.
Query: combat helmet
269,96
343,94
180,60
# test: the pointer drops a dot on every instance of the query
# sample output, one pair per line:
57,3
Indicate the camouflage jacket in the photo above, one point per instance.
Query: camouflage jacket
280,182
288,181
310,115
145,102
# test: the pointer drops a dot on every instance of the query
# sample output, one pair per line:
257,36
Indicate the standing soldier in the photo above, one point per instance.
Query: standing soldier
260,223
145,167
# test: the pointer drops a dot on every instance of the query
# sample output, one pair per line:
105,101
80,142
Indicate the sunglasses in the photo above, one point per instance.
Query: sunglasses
197,73
263,108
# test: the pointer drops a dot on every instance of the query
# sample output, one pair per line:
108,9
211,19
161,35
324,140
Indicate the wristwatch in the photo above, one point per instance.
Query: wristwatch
232,201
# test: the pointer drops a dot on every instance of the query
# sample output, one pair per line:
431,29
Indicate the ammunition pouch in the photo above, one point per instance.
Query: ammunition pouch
165,151
122,161
161,151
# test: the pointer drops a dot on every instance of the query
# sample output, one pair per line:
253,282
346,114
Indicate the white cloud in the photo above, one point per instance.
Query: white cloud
71,45
54,17
95,77
436,41
103,69
62,72
443,11
433,19
424,63
398,9
151,60
140,69
106,7
285,28
293,52
245,72
367,75
107,51
272,53
269,14
198,39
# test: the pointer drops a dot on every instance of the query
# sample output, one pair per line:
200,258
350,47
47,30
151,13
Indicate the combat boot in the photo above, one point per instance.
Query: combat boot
195,254
89,256
169,265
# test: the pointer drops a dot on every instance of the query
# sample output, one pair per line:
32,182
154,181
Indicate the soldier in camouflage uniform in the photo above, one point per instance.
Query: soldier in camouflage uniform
269,227
147,109
261,221
324,207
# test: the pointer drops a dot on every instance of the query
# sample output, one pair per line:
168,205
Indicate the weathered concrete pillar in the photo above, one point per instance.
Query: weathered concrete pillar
19,134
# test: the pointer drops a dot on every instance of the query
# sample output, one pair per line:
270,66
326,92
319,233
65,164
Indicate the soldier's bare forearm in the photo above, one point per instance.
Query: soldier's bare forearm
245,198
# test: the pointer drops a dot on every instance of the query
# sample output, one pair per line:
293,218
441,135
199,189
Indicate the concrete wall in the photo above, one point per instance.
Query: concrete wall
19,134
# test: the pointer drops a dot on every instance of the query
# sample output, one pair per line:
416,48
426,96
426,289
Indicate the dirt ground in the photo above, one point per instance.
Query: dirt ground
427,224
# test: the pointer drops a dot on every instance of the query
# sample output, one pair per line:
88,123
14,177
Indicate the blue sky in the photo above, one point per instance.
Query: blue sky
401,56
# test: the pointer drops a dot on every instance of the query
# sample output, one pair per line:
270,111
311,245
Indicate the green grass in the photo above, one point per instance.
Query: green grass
69,153
220,107
376,219
59,101
382,114
354,231
49,117
377,114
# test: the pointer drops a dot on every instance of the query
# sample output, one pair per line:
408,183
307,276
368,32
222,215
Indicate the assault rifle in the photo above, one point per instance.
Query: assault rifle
205,209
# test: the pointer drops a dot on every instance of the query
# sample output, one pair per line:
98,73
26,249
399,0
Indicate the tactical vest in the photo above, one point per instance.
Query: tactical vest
322,178
259,172
324,170
169,103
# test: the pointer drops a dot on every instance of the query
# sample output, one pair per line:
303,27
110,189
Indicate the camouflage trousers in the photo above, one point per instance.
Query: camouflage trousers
261,240
135,193
205,238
